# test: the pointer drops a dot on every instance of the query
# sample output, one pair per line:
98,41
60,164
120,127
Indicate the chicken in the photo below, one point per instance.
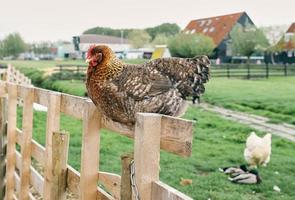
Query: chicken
159,86
258,150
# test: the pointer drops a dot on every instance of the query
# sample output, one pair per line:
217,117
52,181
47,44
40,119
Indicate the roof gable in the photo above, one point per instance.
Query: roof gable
291,29
217,27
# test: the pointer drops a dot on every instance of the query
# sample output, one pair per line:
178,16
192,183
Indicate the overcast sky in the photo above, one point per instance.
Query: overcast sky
38,20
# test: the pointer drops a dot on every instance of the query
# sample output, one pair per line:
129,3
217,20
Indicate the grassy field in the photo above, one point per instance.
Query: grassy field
217,143
273,97
49,64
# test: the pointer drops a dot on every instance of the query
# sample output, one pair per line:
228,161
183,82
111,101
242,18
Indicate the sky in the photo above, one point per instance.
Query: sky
52,20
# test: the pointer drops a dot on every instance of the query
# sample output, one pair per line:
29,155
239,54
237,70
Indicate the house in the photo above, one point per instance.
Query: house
219,28
83,42
66,50
161,51
289,38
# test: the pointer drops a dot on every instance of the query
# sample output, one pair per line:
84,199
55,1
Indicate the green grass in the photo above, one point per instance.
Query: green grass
41,64
273,98
74,87
217,143
49,64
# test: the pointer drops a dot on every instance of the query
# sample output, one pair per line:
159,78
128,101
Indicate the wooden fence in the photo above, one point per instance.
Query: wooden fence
251,71
12,75
71,68
151,133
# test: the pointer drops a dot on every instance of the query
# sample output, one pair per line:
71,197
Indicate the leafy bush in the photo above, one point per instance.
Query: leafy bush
37,76
190,45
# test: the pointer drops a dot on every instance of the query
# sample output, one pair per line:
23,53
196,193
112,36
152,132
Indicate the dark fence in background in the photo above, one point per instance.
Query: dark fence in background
252,71
71,68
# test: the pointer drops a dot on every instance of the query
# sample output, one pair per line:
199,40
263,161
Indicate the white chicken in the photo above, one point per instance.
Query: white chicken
258,150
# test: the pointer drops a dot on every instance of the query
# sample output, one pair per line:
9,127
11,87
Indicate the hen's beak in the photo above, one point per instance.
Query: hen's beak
87,60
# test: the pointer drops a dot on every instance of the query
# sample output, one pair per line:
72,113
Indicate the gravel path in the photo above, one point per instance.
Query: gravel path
254,121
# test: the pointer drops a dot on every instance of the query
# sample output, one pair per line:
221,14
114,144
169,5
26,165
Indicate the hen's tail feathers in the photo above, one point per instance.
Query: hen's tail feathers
201,75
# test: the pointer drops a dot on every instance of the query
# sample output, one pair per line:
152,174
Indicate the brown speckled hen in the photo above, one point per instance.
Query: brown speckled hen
159,86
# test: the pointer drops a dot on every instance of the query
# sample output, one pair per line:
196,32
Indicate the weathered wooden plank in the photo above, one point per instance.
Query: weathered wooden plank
73,180
53,123
42,96
3,142
176,133
89,152
147,152
60,142
17,183
37,150
73,184
162,191
27,127
111,182
36,180
126,190
11,140
31,197
3,89
72,105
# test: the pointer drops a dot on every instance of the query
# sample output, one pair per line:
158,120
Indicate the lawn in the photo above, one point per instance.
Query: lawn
49,64
273,97
217,143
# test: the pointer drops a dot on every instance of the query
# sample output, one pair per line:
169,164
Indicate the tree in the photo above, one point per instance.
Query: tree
13,45
247,40
160,39
166,29
190,45
1,49
274,33
41,48
108,31
138,38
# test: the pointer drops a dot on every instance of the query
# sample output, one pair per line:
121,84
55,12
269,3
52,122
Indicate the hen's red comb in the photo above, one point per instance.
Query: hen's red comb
90,51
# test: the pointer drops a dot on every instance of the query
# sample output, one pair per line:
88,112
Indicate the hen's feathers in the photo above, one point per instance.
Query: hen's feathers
258,149
159,86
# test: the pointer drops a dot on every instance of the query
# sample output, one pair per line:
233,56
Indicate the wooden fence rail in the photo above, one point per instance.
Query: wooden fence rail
151,133
251,71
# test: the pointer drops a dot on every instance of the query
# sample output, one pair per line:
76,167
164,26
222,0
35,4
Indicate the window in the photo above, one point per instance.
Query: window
202,22
205,30
209,22
212,29
193,31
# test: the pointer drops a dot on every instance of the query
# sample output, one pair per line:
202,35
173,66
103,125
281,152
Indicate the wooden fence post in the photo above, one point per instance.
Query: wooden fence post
228,71
27,129
248,71
285,69
53,123
11,140
90,152
267,70
60,143
126,191
3,135
147,152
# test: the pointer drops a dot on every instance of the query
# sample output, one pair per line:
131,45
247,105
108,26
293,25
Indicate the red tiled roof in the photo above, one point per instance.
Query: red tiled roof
289,45
217,27
291,29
